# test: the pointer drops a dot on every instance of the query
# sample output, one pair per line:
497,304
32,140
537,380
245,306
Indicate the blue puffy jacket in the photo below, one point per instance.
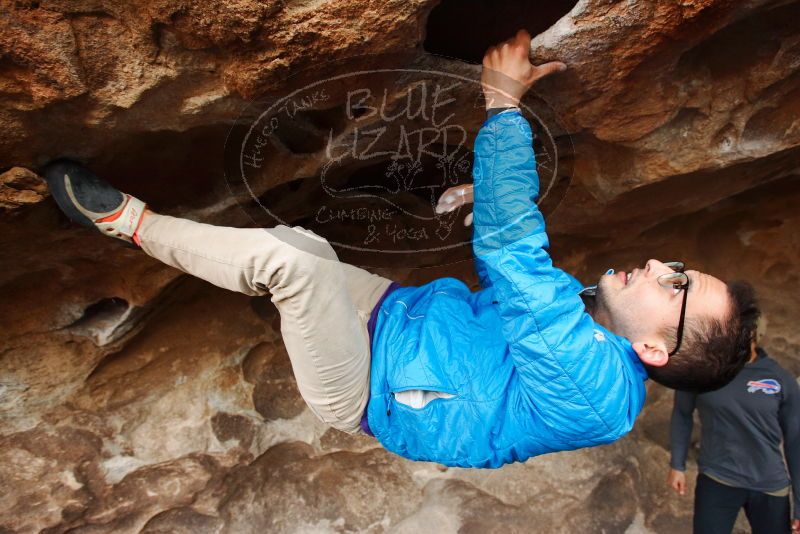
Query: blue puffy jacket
531,371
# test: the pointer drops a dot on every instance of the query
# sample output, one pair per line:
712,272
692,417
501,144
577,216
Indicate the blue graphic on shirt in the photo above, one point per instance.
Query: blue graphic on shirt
768,385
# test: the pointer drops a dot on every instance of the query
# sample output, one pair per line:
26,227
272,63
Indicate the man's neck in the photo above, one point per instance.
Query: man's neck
588,302
599,315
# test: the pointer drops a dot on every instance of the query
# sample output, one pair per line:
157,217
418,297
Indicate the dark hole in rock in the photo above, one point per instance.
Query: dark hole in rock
308,130
168,168
300,137
102,311
746,45
105,321
263,307
334,118
464,29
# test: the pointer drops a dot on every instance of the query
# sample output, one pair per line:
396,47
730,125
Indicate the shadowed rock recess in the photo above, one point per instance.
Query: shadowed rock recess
136,399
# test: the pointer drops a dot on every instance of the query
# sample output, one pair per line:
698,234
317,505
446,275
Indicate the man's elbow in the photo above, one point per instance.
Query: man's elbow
608,433
602,431
621,429
620,424
615,426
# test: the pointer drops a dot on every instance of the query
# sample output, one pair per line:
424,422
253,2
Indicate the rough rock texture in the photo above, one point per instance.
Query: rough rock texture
134,399
19,187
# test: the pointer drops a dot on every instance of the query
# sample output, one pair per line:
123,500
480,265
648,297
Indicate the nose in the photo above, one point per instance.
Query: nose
654,266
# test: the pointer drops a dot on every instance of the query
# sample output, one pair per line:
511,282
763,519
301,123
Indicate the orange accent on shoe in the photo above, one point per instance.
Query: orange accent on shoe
135,235
113,216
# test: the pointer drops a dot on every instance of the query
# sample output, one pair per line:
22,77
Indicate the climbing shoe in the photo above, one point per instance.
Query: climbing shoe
92,202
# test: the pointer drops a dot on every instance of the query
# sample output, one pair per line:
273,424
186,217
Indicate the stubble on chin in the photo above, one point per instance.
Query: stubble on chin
601,309
601,298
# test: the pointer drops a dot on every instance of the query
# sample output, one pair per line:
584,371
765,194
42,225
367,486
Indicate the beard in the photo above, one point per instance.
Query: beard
601,301
601,307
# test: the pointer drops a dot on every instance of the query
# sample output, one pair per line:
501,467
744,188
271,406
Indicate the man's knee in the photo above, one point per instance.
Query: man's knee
305,241
288,257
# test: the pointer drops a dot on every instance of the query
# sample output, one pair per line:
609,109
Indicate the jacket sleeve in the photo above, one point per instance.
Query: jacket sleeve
789,417
577,381
480,268
680,429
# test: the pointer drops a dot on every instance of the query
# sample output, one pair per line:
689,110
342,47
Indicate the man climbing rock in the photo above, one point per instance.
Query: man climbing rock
532,363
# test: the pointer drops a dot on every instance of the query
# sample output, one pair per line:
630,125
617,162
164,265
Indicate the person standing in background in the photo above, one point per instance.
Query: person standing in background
747,428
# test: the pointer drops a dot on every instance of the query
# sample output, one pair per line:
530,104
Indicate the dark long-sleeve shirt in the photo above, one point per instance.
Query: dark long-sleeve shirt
742,428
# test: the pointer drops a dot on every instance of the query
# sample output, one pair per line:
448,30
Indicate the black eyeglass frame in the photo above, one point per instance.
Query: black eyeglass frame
677,282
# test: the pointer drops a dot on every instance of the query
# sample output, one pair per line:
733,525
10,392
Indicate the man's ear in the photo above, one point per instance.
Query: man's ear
654,354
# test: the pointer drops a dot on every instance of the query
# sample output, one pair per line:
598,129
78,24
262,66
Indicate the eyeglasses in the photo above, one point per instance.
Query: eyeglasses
677,280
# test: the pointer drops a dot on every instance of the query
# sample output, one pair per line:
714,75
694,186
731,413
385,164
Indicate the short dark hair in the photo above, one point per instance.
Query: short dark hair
714,350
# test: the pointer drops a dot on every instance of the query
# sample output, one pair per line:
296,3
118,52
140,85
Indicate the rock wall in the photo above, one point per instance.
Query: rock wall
135,399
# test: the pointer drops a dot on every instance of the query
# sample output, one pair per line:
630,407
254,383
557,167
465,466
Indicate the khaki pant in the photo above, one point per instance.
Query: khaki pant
324,304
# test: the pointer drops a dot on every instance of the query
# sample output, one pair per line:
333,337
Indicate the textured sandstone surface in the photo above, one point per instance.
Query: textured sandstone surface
134,399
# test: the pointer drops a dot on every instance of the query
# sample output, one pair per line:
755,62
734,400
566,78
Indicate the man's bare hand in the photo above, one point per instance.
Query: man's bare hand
456,197
508,73
677,481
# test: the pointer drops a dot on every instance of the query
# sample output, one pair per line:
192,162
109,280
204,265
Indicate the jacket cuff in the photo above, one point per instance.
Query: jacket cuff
676,466
491,112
